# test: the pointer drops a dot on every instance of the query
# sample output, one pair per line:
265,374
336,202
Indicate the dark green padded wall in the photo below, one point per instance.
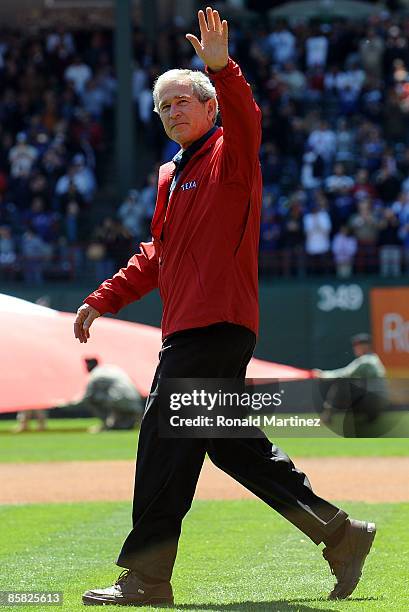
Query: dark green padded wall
302,323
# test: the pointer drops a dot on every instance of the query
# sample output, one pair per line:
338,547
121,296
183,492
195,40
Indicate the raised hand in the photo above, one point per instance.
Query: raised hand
213,47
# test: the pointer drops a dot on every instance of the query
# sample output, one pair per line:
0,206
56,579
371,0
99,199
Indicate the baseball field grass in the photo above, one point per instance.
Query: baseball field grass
248,560
68,440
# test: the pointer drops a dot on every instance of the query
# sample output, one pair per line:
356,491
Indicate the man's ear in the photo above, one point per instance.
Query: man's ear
212,109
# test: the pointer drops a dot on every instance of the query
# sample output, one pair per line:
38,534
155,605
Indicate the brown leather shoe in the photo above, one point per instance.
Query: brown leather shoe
129,590
347,559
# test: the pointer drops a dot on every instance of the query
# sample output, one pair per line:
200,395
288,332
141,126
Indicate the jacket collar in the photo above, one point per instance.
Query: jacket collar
183,156
165,178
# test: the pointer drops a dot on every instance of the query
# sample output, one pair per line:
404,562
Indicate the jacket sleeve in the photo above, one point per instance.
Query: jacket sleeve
129,284
241,119
358,368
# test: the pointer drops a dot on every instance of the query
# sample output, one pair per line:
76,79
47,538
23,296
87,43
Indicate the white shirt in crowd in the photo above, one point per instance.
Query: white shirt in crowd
64,41
308,180
79,75
339,182
139,82
317,227
21,158
352,79
132,215
316,48
344,248
323,142
83,179
296,83
282,45
145,105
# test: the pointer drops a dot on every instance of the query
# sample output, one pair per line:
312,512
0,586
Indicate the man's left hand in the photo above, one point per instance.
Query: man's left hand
213,49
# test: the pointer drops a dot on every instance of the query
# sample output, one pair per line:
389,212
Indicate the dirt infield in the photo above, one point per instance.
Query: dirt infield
370,479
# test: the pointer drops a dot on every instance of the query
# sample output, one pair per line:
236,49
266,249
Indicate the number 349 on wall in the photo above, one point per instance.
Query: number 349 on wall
344,297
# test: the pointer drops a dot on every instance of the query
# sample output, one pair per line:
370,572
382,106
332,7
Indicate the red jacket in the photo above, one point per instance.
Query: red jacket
204,256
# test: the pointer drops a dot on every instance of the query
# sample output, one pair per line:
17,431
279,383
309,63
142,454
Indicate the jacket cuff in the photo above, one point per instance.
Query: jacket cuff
95,303
224,72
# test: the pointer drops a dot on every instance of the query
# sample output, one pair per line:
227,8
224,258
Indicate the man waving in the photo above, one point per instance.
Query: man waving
203,258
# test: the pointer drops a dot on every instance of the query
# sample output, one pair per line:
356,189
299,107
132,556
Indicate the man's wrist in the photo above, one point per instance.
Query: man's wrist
221,72
215,69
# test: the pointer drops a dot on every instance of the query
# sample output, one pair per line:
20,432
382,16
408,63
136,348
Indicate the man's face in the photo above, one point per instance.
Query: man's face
361,348
184,117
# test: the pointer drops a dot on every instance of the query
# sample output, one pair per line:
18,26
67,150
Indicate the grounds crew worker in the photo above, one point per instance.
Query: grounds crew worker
203,257
369,395
110,395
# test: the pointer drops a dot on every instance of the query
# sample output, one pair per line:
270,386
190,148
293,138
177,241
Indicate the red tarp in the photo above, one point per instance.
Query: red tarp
42,363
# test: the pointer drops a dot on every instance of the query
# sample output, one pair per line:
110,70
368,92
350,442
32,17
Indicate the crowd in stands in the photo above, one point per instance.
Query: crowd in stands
334,155
335,151
56,90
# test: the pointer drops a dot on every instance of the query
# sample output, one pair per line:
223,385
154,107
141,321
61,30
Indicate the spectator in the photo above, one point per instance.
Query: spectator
119,245
371,49
363,189
60,42
342,207
111,247
94,98
316,49
390,253
292,241
8,255
295,81
82,177
344,247
338,182
43,222
394,118
312,170
270,231
76,223
282,44
317,228
97,251
365,227
404,230
271,163
372,148
388,180
78,73
35,254
345,142
323,143
21,157
147,196
76,233
72,194
131,214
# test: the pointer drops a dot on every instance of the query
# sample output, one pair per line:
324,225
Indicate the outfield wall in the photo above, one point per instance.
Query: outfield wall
302,323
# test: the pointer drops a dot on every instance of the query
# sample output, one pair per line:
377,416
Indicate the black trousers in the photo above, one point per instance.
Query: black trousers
167,469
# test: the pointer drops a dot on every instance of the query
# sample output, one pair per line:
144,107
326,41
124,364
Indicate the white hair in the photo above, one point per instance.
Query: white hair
202,86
